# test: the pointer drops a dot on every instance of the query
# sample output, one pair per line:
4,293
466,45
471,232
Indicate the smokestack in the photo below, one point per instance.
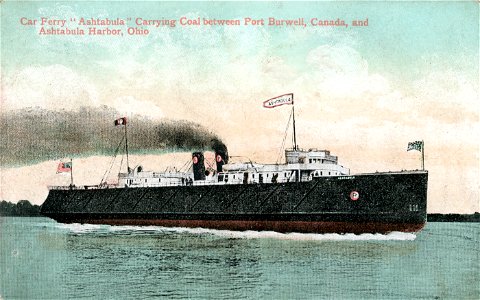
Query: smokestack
221,153
198,166
221,158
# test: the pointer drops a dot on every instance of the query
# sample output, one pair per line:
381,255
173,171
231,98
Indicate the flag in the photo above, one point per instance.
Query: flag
417,145
64,167
279,100
121,121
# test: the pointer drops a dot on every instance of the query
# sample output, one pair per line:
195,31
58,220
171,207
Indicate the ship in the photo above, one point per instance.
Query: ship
309,192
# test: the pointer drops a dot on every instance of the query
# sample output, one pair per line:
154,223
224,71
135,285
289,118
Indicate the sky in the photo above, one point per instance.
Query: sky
362,92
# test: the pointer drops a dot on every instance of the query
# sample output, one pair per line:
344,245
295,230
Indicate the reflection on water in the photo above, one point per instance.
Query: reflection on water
47,260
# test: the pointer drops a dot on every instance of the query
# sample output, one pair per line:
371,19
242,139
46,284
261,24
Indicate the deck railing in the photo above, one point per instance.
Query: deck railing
163,184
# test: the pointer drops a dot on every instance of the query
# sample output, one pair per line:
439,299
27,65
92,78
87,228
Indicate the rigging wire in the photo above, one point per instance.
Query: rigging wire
284,138
209,163
121,163
186,164
107,172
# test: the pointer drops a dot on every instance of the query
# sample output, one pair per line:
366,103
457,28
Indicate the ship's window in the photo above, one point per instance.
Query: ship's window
158,179
253,175
328,173
145,180
310,160
220,177
267,175
321,173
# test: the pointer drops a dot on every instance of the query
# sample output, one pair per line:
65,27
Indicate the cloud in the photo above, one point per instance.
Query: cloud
129,106
340,81
53,87
448,97
339,71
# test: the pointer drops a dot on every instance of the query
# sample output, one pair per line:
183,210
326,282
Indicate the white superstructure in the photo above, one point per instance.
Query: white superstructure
300,165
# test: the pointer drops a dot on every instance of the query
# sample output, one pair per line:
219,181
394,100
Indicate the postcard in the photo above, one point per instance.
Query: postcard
320,117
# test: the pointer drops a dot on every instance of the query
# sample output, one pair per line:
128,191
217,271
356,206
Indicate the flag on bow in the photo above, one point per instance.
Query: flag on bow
121,121
64,167
279,100
417,145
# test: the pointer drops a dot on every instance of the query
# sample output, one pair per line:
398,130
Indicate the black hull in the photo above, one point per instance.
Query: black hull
386,202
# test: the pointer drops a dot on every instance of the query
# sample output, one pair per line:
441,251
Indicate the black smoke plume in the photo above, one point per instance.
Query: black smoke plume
219,147
33,135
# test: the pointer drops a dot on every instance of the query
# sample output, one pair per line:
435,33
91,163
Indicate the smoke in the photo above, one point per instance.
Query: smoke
33,135
220,148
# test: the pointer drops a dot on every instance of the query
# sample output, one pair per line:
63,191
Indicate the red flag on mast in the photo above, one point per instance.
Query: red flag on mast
121,121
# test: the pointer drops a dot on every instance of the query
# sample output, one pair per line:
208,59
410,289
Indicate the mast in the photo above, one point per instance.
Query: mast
297,172
71,173
294,133
126,148
423,156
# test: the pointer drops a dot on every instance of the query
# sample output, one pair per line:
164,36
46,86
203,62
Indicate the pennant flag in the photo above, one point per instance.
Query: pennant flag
121,121
417,145
279,100
64,167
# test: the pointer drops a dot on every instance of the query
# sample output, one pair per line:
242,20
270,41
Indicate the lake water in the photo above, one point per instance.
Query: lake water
42,259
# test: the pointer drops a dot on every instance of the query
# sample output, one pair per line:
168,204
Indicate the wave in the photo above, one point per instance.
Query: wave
105,229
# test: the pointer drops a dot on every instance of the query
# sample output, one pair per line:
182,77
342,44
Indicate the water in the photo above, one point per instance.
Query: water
42,259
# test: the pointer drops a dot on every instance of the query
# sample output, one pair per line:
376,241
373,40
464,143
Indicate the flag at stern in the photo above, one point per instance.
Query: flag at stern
64,167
